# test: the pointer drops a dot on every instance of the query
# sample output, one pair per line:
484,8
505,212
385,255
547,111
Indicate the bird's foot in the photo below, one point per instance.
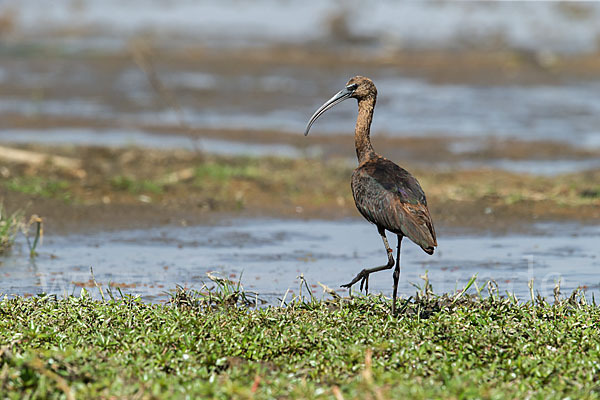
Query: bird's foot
363,277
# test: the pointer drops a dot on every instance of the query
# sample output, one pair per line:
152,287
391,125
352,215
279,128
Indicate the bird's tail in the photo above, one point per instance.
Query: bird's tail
429,250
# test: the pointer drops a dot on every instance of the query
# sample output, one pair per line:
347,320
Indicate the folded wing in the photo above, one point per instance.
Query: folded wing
390,197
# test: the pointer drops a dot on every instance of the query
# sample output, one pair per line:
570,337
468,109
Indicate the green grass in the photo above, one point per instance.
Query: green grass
135,186
37,186
9,228
246,169
204,345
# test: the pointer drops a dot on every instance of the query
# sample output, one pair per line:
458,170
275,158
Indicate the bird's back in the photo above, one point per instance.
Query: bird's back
390,197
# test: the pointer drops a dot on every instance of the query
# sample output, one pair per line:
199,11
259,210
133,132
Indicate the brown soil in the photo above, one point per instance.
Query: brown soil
495,67
127,188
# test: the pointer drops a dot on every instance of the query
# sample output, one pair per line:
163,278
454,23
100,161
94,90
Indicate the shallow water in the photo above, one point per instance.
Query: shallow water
110,23
534,167
413,107
269,255
125,138
284,100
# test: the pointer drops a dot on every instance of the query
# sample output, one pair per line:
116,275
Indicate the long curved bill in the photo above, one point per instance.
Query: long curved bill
338,98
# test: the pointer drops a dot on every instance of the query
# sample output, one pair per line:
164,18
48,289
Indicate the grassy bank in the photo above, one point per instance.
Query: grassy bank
439,347
171,181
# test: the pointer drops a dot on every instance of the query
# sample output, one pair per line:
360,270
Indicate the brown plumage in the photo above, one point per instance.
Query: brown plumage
385,194
391,198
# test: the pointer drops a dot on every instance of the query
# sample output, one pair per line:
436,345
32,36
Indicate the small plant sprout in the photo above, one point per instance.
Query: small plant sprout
469,284
38,225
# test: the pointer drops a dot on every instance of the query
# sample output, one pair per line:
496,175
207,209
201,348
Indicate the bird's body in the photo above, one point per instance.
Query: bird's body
385,194
391,198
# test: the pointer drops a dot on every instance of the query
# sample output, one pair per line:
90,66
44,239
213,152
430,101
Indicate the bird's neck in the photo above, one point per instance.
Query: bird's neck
362,133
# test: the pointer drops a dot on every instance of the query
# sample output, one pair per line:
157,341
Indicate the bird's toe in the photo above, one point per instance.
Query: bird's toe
362,275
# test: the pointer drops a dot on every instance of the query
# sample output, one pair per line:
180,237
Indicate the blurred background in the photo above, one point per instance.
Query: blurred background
495,106
471,73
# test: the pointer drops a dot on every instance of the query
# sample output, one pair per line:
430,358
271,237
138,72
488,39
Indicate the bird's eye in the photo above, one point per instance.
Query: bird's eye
352,87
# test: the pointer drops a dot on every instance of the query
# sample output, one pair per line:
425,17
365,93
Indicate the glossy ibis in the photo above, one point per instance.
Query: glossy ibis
385,194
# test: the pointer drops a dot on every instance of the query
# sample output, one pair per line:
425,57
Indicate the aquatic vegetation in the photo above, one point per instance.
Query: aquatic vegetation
9,228
13,223
38,227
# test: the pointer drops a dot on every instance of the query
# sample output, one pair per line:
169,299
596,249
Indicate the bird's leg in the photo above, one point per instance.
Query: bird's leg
396,276
363,276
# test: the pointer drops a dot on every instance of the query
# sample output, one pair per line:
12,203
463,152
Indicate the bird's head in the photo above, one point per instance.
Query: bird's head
359,88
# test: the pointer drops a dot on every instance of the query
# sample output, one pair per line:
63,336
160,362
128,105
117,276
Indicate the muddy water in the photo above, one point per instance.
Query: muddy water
269,255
